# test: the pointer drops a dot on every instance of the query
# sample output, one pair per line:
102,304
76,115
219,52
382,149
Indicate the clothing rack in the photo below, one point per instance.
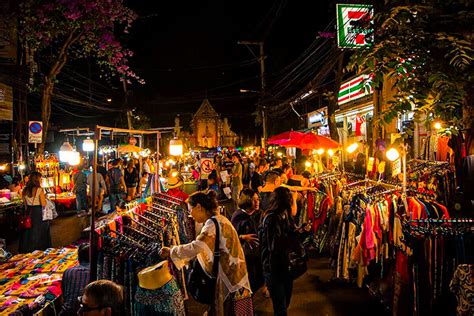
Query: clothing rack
166,200
139,232
143,225
170,197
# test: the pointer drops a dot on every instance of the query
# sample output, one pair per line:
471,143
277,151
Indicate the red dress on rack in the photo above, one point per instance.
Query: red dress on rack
177,193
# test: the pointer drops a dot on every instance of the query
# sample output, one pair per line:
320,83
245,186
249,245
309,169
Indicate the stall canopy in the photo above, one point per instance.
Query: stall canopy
129,149
303,140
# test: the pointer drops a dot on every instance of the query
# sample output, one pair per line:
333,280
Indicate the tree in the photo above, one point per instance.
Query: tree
60,30
427,50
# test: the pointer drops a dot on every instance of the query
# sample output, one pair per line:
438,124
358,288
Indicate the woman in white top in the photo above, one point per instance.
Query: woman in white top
233,293
38,237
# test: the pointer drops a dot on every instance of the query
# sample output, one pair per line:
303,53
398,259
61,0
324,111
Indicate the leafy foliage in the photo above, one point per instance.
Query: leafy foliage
64,29
426,52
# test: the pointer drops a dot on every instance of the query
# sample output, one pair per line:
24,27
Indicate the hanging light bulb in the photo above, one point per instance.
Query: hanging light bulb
330,152
351,148
74,158
320,151
176,147
65,151
392,154
88,144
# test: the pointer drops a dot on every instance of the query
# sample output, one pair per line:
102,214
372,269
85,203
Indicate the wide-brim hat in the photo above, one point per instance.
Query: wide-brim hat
174,181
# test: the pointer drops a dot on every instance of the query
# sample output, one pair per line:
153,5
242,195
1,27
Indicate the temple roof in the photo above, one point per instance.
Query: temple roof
206,111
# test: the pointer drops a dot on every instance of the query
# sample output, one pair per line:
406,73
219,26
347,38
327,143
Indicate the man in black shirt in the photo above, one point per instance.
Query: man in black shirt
256,182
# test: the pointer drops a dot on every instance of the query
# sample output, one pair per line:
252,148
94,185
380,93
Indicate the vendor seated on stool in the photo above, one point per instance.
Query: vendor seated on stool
74,281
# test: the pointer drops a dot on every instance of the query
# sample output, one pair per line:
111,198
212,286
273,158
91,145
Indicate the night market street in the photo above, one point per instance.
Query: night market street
236,158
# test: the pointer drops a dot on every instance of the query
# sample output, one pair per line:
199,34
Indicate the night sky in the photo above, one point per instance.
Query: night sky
187,50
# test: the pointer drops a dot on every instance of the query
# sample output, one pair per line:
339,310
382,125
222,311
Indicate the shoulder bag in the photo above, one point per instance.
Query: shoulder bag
24,219
201,286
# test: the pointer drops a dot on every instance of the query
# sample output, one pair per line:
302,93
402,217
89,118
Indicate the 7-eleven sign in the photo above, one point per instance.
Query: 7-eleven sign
354,25
354,89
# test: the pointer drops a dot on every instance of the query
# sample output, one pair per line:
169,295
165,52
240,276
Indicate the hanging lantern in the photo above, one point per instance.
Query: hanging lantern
176,147
65,151
88,145
74,158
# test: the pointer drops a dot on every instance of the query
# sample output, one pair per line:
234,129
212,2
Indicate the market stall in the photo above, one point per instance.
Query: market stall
55,182
31,281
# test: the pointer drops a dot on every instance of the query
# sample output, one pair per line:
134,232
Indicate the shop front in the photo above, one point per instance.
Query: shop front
354,118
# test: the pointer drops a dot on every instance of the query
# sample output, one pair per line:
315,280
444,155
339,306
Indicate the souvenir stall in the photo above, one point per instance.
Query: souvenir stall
128,250
31,282
55,182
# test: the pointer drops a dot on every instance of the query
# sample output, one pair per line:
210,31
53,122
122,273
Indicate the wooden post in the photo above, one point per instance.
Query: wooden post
157,165
92,236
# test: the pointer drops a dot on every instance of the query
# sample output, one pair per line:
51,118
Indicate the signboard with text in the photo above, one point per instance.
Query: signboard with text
354,25
6,102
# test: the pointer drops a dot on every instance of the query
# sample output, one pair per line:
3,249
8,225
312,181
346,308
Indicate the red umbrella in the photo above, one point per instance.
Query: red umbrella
312,141
283,138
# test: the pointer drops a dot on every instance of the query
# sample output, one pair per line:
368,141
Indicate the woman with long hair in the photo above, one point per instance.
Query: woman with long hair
276,225
233,288
37,237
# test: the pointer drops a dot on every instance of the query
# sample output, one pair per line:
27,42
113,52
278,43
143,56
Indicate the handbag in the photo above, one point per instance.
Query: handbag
201,286
49,211
24,220
296,255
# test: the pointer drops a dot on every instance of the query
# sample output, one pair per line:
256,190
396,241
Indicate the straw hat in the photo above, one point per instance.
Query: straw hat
174,180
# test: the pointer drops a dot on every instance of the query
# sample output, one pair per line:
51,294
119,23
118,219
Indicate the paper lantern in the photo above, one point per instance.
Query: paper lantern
176,147
88,144
74,158
65,151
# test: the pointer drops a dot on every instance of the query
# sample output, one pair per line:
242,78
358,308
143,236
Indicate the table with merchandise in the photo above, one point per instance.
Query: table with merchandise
30,281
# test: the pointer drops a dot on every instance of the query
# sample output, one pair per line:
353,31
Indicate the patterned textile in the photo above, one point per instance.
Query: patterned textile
166,300
73,283
462,286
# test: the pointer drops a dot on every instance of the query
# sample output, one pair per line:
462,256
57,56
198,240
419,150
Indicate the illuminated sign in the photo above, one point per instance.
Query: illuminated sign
354,89
317,118
354,25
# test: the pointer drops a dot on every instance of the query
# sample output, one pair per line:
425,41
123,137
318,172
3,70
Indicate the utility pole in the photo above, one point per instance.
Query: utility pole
261,59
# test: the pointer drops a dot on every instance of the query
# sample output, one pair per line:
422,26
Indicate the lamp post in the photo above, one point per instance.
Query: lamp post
392,155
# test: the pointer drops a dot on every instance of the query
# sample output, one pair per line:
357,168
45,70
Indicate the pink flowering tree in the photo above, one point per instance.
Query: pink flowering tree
61,30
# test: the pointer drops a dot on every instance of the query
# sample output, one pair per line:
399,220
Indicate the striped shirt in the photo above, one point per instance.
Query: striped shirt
74,281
